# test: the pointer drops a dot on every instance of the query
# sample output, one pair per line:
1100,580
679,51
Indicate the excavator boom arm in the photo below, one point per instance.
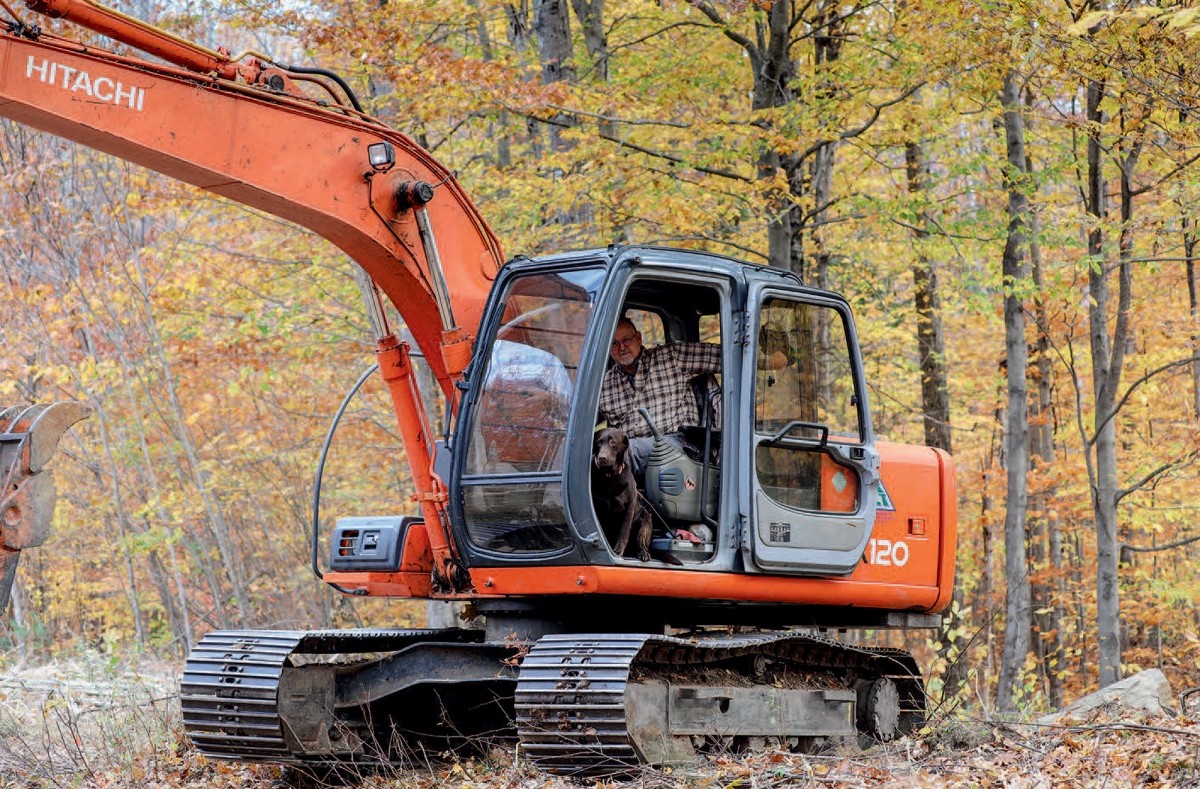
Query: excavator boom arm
288,156
245,131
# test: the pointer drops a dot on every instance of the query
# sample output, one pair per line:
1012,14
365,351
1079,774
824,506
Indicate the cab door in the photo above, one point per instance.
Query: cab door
814,468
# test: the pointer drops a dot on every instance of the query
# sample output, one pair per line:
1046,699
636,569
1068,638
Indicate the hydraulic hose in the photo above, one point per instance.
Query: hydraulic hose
321,72
316,503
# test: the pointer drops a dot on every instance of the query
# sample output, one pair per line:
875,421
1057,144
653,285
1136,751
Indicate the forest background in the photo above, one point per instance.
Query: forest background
1005,191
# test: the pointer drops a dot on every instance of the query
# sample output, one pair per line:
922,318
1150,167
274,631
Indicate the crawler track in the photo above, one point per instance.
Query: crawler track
577,714
230,688
581,704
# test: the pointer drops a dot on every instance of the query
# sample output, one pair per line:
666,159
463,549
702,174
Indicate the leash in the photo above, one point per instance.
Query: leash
671,532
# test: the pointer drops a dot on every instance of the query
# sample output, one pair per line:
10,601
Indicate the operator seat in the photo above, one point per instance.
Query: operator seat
707,392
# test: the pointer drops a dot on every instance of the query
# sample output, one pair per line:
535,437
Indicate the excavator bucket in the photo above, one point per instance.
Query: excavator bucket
28,437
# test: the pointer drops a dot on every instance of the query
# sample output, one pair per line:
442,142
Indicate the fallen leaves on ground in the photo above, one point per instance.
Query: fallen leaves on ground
123,732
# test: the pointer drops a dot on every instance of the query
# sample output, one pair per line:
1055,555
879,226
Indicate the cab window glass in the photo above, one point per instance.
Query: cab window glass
804,371
804,394
520,421
649,324
710,328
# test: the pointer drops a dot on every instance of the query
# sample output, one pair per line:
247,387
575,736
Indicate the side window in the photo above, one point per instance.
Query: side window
804,396
804,370
649,324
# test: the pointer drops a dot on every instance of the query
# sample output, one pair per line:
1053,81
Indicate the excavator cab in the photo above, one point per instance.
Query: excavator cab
781,432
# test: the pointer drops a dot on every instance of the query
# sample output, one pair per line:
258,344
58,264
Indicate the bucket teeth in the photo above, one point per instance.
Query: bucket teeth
41,427
29,436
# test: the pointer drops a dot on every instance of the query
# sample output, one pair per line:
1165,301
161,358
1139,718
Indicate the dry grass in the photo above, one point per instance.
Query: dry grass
72,724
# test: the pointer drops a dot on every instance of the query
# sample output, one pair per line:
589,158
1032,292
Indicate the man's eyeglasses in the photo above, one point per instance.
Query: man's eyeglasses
620,342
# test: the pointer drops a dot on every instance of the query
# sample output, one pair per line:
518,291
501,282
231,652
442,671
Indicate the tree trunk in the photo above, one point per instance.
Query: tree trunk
987,539
935,396
773,68
773,71
520,34
811,183
1016,569
173,413
497,127
826,49
130,587
185,615
552,28
590,15
931,344
18,627
1189,252
1045,535
1188,229
1103,469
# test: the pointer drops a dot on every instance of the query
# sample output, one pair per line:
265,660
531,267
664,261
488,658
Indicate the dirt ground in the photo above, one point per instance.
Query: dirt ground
93,723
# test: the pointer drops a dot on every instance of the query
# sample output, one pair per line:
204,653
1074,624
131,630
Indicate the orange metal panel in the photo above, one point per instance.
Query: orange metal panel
919,482
416,556
948,528
833,499
682,584
383,584
900,571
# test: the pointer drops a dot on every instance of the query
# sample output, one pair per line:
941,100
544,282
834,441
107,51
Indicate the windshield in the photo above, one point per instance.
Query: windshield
520,422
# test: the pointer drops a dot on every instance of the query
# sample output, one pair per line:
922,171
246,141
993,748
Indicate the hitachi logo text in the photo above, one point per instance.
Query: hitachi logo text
105,89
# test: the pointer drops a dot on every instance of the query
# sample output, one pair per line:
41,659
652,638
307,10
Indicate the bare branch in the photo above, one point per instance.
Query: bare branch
1087,441
1138,382
614,119
670,157
649,36
1152,475
734,36
876,111
1166,177
1164,547
745,250
941,231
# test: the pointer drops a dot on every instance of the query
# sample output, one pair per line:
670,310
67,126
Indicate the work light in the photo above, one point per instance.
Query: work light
382,156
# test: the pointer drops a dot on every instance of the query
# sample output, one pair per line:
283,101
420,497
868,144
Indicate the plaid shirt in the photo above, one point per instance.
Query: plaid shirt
661,384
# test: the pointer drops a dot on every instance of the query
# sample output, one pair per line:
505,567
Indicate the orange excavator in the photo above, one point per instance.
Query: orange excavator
779,520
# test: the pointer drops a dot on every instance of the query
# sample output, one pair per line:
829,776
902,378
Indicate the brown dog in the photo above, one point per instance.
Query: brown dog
615,494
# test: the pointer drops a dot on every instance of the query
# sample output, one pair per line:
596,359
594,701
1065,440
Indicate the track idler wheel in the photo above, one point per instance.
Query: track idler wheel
878,709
